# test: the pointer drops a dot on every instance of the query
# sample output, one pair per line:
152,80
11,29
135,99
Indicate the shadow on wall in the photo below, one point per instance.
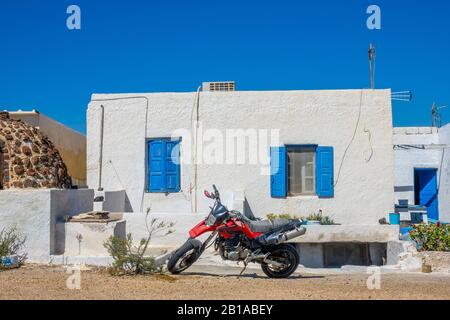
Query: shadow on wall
128,206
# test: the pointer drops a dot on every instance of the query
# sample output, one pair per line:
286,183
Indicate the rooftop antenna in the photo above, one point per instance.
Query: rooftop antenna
436,115
372,65
402,96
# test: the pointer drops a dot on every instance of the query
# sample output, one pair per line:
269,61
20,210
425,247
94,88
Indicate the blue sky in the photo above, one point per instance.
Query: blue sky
151,46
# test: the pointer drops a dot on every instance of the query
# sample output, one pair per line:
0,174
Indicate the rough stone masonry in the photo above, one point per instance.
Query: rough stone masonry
28,159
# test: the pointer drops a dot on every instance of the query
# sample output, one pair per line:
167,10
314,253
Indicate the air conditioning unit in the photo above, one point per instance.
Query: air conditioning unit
219,86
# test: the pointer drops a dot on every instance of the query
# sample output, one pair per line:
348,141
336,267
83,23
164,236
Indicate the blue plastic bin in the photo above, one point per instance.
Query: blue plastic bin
404,231
394,218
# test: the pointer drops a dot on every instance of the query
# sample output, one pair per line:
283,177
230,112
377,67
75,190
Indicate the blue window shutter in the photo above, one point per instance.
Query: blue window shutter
325,172
156,166
172,166
278,180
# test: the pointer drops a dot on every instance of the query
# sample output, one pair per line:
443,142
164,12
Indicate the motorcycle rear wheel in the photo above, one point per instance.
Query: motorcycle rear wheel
286,254
185,256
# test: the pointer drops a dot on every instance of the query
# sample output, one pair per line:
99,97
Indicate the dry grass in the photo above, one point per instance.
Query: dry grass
43,282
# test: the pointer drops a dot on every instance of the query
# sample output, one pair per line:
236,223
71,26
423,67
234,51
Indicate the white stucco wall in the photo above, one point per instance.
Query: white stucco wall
87,239
426,150
363,195
408,158
36,212
444,188
30,212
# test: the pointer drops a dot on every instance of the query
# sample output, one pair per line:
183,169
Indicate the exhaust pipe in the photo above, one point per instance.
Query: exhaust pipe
297,232
278,238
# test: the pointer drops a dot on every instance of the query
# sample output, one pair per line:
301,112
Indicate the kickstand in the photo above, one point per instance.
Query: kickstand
243,269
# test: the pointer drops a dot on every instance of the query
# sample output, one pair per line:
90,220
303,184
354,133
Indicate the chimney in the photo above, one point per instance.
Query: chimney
4,115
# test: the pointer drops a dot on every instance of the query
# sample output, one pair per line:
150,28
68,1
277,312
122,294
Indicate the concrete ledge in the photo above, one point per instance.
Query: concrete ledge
79,260
100,261
349,233
87,238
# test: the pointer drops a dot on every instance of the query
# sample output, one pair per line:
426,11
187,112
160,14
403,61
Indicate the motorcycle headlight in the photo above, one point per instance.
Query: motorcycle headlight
211,220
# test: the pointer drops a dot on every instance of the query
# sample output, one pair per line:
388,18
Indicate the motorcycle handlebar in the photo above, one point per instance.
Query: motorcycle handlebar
216,192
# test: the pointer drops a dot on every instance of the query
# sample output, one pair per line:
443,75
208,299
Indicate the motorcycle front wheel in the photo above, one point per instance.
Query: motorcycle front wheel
185,256
285,254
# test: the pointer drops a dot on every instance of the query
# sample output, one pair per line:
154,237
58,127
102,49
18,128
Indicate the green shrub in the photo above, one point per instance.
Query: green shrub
324,220
431,237
272,216
11,243
131,260
128,260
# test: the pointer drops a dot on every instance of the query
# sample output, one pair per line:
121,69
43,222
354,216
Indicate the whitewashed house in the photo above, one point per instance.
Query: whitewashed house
422,171
295,152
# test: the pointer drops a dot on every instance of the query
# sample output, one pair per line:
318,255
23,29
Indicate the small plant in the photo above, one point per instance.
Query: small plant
131,260
11,243
432,237
323,220
272,216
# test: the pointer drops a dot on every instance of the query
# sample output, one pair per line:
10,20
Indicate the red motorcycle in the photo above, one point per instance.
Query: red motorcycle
241,238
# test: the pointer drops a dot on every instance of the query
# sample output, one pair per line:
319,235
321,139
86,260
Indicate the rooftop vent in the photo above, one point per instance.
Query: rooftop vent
219,86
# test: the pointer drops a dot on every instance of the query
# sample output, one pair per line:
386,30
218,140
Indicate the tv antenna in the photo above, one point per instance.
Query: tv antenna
436,115
372,65
402,96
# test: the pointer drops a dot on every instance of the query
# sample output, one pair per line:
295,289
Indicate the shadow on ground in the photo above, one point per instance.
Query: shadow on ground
245,275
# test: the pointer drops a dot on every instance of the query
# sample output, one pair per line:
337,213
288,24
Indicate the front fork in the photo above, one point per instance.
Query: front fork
205,244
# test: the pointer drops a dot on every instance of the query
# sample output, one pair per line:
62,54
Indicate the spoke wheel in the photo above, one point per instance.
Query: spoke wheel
287,256
184,257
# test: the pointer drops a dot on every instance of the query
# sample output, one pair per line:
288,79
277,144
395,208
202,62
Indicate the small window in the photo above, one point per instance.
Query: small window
301,171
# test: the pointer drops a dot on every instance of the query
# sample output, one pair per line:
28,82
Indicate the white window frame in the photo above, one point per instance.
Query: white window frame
301,148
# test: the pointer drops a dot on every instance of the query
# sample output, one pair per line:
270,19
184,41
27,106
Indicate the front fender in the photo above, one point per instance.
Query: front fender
200,229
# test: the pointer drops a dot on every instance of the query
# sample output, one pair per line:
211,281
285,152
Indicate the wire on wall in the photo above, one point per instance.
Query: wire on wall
194,139
370,143
351,140
116,173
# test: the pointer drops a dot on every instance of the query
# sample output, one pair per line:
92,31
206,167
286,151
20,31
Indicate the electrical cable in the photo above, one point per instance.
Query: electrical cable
194,138
116,173
351,141
370,143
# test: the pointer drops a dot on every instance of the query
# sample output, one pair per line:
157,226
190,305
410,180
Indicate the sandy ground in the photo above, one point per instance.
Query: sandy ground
43,282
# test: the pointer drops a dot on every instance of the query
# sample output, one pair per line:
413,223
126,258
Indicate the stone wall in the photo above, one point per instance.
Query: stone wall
28,158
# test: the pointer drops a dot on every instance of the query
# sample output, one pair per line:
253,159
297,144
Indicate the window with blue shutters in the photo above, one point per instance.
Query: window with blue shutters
278,172
325,172
163,165
298,170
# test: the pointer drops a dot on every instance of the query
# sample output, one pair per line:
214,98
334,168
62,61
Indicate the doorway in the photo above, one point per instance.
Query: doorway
426,191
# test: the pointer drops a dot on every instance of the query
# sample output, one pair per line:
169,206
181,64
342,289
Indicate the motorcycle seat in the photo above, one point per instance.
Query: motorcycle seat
264,226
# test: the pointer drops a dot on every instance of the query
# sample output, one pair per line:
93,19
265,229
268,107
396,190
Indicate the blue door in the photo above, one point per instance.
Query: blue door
163,166
427,191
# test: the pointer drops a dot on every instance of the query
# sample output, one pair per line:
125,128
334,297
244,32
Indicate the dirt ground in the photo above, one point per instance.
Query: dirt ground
43,282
